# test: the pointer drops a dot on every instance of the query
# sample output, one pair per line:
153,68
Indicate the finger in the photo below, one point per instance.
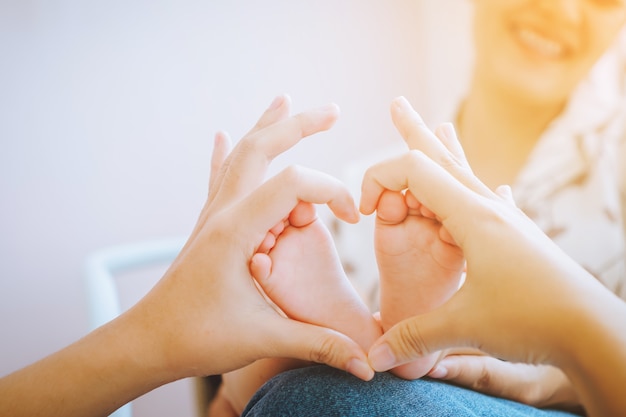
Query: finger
278,196
463,351
530,384
316,344
429,183
506,193
249,160
222,157
447,136
221,148
465,370
277,111
480,373
418,136
376,316
417,337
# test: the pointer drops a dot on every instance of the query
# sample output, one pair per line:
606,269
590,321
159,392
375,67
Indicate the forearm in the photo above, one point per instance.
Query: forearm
94,376
595,359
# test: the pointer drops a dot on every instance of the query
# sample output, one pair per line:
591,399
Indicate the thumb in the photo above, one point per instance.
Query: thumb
414,338
308,342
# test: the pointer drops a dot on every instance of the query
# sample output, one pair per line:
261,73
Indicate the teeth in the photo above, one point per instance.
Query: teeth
541,44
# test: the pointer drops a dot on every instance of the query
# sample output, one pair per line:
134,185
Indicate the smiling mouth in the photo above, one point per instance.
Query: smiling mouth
539,44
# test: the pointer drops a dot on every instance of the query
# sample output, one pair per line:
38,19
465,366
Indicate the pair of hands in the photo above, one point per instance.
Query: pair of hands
520,301
536,385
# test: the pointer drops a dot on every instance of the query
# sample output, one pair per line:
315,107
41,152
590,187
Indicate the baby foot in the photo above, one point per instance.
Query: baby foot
419,266
298,269
307,281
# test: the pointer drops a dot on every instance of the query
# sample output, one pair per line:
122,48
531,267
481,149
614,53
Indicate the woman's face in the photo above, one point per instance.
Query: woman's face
543,48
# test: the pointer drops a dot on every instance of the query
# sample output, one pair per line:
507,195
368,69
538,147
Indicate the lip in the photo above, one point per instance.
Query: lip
547,45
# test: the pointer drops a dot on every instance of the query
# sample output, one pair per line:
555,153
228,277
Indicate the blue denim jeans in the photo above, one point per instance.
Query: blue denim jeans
321,391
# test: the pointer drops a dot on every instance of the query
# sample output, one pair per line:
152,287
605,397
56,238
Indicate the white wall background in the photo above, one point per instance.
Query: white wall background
107,111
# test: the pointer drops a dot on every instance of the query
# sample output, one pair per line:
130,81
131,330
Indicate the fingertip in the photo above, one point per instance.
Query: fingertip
365,208
361,369
505,191
438,372
221,141
353,215
370,193
381,358
278,102
348,214
400,103
334,108
332,111
219,137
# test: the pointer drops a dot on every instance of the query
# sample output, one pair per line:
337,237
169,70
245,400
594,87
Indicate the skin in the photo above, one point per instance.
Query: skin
300,271
530,56
188,324
489,312
540,386
315,289
415,256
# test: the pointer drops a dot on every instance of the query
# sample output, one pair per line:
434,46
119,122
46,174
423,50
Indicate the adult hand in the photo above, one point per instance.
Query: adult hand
523,298
205,316
298,268
540,386
225,323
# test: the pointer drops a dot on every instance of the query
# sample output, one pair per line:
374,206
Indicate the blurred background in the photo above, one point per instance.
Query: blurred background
108,110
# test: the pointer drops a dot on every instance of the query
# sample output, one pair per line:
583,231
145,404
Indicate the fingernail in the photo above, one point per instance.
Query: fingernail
381,358
401,103
329,108
438,372
360,369
355,215
278,101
